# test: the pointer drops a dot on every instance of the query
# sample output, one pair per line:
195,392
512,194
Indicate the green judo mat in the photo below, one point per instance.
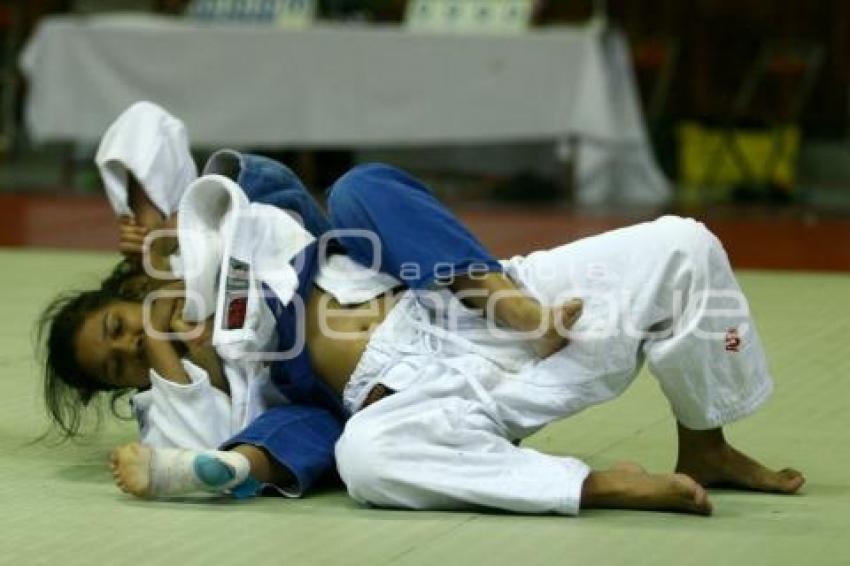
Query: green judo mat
59,505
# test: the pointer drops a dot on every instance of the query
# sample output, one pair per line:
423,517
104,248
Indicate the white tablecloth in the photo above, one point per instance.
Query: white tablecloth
239,85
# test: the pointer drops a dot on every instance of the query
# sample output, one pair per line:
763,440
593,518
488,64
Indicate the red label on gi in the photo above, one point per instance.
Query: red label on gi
236,294
733,341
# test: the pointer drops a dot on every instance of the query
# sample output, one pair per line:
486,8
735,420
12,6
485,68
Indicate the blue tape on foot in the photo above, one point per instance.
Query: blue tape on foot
248,488
214,473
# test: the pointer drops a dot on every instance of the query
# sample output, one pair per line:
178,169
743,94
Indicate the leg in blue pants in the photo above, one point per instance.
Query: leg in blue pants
420,240
299,439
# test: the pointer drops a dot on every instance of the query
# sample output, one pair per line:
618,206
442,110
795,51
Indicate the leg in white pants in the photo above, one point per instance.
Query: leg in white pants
444,440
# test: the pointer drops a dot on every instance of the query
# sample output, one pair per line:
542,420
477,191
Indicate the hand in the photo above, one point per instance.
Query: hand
557,321
163,246
163,309
195,335
131,236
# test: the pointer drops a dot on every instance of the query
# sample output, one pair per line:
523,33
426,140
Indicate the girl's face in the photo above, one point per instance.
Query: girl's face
110,346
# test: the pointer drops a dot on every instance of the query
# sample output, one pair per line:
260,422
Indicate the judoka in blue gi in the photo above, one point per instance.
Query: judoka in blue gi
454,396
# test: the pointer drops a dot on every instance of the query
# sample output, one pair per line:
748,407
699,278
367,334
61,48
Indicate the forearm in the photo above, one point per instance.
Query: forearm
498,297
198,341
162,323
165,360
144,210
147,218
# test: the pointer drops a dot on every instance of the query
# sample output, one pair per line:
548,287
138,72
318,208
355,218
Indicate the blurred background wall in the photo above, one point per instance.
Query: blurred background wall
746,103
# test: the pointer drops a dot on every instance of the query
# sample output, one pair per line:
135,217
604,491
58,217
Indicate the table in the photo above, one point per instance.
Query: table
342,86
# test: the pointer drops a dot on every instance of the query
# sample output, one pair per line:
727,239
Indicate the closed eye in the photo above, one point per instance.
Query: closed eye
114,325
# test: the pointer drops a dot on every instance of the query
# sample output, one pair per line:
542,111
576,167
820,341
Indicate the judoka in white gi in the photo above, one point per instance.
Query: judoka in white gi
454,395
661,292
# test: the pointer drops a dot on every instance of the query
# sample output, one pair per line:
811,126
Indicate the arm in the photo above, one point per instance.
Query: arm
183,407
161,353
166,317
146,214
513,308
200,349
146,217
517,310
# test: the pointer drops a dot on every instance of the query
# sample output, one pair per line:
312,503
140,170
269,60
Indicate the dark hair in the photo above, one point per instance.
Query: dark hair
68,389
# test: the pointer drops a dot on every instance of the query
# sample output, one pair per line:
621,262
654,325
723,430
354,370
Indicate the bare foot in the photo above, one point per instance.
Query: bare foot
724,466
557,321
131,469
621,488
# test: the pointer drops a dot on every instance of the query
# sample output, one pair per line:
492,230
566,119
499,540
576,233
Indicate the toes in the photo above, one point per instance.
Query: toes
695,496
701,502
790,473
733,469
125,463
791,480
784,481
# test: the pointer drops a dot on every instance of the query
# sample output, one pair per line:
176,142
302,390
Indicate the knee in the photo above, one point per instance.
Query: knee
362,461
360,184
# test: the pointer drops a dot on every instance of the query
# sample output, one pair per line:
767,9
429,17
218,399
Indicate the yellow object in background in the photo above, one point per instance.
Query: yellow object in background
707,159
297,13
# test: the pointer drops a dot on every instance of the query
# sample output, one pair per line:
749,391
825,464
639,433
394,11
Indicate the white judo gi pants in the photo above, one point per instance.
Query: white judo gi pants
661,291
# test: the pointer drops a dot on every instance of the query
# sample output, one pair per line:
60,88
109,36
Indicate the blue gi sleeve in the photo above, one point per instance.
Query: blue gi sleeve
421,242
299,438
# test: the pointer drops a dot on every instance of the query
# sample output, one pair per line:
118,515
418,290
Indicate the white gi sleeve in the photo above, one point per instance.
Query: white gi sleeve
150,143
195,416
350,282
